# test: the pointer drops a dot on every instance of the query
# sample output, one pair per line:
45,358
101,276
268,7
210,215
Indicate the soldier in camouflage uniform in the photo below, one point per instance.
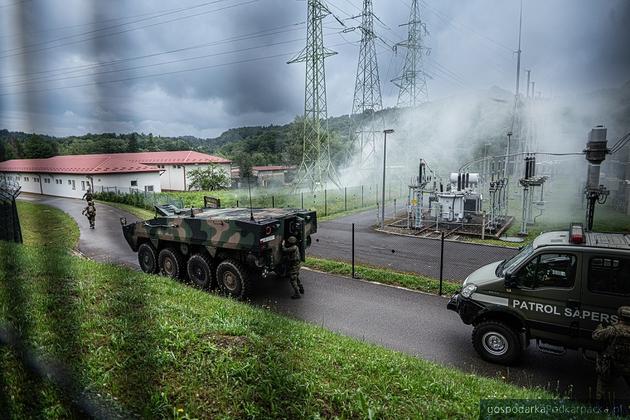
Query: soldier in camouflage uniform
88,195
614,361
90,213
292,253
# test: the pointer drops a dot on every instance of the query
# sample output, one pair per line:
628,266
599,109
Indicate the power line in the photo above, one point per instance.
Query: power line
86,67
122,31
180,60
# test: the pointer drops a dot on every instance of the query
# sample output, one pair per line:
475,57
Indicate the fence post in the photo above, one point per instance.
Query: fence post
236,203
353,250
483,225
441,262
325,202
302,199
273,201
394,209
345,198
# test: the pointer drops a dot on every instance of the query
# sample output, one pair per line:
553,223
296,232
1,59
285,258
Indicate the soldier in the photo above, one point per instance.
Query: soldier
614,361
88,195
90,213
292,253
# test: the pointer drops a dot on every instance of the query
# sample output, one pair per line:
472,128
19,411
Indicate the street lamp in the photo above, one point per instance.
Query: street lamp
385,133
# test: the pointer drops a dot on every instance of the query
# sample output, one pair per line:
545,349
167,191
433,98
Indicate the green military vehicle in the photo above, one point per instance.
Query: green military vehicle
225,247
555,291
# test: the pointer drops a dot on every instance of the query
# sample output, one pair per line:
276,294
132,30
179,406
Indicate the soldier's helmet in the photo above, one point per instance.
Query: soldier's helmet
624,313
292,240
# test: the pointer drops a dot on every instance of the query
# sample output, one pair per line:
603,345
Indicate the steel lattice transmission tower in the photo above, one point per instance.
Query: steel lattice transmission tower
316,168
367,88
412,82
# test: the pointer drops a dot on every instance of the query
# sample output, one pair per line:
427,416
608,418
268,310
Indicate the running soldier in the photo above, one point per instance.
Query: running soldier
88,195
90,213
292,253
614,361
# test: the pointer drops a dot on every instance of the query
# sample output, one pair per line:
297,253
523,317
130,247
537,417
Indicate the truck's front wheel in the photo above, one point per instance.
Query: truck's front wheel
496,342
232,279
147,258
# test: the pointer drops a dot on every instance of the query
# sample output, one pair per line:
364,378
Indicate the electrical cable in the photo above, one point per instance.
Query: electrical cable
85,67
122,31
105,82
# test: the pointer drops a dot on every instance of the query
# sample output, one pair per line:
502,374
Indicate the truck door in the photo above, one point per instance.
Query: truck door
547,285
607,287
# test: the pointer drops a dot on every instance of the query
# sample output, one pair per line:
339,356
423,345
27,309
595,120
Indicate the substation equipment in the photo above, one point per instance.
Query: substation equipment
455,205
529,182
596,150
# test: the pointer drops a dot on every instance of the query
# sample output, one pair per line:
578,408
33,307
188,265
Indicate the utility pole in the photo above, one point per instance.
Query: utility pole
518,52
412,82
528,77
367,87
316,168
533,92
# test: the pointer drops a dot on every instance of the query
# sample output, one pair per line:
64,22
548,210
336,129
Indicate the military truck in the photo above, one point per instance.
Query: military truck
554,291
225,247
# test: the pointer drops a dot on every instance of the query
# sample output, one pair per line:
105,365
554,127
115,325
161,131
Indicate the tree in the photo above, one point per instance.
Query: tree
36,147
208,179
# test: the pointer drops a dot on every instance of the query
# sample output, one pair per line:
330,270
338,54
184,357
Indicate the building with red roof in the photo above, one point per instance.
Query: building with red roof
71,176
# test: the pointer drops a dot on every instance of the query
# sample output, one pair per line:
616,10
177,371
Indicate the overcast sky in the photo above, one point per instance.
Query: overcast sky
199,67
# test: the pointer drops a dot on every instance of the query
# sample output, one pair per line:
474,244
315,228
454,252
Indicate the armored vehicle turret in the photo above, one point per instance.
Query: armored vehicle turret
226,247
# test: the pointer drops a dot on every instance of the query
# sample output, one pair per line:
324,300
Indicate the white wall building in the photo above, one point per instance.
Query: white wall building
71,176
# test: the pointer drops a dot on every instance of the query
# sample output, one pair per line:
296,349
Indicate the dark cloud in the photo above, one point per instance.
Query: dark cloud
570,45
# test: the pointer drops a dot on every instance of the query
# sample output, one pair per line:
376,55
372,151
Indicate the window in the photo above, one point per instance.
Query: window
46,180
69,182
134,183
74,186
17,178
609,275
26,179
58,181
148,188
36,179
548,270
82,185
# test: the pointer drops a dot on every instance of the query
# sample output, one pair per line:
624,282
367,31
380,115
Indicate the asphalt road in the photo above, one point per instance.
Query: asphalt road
411,322
401,253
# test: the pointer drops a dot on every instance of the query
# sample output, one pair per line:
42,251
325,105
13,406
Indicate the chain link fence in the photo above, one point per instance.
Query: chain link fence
355,240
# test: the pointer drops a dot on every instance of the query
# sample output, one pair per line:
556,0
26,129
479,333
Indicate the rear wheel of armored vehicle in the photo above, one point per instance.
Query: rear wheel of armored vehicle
232,279
496,342
200,271
147,258
170,263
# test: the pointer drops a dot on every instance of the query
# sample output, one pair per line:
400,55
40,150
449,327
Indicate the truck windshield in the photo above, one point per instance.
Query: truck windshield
514,261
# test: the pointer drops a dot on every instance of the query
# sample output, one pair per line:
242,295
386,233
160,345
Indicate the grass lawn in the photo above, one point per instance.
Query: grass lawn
45,225
410,281
141,214
159,348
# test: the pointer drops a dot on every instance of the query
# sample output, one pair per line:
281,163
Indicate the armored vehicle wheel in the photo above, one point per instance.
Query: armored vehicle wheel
199,271
170,262
496,342
232,279
147,258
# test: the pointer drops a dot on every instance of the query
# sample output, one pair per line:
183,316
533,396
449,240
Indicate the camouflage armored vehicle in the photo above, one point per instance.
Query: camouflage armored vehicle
225,247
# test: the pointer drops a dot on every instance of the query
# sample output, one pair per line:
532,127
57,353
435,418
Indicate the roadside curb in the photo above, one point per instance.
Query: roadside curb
393,286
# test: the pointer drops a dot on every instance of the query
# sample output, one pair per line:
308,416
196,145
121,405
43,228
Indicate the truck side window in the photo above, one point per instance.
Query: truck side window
548,270
609,275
